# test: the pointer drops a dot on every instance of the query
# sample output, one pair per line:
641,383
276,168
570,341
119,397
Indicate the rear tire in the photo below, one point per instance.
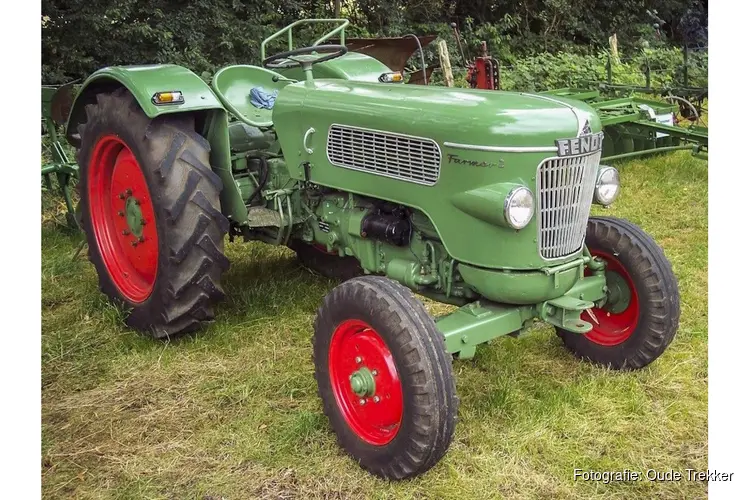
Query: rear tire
632,334
150,211
373,326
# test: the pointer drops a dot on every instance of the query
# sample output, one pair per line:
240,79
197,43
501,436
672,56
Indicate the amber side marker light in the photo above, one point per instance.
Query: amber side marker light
171,97
391,78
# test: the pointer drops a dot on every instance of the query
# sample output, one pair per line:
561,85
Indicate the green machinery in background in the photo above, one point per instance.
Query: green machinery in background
56,102
472,198
633,125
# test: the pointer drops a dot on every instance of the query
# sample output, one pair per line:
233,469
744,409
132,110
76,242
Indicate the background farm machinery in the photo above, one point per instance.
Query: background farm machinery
636,122
58,168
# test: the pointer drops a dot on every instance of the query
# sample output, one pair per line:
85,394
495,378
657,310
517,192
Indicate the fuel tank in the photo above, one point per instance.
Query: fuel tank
423,146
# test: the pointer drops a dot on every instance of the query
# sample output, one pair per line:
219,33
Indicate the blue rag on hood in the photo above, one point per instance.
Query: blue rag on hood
263,99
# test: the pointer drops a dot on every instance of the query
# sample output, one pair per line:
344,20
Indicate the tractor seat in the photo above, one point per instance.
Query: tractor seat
233,86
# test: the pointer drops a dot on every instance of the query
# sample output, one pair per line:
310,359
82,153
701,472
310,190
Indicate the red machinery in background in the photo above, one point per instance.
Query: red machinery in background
484,71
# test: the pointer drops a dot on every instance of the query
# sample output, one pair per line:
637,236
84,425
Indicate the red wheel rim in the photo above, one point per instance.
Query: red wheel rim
376,417
614,328
122,218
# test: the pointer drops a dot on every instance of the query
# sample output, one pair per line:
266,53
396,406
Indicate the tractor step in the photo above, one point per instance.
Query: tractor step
263,217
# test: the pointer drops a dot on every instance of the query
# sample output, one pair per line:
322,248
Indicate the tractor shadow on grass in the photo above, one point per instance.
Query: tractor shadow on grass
265,281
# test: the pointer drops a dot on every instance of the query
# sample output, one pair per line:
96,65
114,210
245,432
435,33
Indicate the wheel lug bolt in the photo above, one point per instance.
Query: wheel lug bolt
128,192
141,239
125,232
374,373
376,399
136,202
134,243
361,402
143,222
121,196
121,213
358,359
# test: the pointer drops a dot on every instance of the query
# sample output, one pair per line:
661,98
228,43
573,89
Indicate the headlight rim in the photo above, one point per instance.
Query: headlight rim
506,207
602,170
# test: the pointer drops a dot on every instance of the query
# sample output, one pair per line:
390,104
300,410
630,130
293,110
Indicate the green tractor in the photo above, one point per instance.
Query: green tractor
475,198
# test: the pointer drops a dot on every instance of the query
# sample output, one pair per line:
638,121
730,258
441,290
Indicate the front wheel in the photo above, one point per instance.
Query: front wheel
384,377
642,312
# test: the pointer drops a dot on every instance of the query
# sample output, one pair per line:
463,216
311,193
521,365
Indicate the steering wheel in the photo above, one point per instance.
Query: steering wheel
290,59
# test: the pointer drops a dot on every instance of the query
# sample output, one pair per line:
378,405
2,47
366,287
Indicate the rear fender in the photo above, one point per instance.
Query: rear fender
143,82
199,100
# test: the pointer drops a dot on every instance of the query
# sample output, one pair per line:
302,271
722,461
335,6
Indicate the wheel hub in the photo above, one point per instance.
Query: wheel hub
362,382
134,216
618,296
365,382
123,219
618,318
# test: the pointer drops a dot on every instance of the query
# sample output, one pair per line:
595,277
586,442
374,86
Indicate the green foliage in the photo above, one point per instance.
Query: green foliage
548,71
80,36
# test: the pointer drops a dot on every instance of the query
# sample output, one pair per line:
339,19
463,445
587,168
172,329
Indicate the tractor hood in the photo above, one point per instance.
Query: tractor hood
445,151
453,115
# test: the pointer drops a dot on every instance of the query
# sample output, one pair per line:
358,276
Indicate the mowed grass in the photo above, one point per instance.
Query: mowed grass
232,412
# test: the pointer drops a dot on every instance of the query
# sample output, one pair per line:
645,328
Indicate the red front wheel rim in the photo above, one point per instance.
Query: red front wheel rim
614,328
122,218
357,350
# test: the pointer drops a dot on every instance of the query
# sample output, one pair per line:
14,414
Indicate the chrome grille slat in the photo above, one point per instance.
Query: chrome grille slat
565,189
403,157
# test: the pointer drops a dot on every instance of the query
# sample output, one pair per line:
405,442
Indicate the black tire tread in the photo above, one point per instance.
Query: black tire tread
185,195
660,299
426,439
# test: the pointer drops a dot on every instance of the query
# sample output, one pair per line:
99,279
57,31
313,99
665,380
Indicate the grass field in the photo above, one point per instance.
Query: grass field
233,412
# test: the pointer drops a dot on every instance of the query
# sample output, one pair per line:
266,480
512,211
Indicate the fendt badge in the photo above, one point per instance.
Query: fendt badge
580,145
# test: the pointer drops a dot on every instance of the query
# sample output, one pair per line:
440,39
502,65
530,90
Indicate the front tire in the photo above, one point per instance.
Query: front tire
642,318
149,204
384,377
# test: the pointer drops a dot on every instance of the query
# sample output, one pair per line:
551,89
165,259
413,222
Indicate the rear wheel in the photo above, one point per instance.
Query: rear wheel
149,208
642,312
384,377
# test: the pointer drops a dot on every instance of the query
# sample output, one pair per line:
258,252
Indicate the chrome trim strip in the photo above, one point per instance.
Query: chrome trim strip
579,118
547,98
501,149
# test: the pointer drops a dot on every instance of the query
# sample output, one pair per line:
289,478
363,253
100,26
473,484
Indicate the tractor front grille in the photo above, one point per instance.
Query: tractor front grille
403,157
565,190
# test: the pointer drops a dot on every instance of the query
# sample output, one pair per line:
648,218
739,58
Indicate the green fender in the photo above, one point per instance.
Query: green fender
143,82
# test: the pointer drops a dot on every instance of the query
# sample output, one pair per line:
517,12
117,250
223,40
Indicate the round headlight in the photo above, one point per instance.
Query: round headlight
519,207
607,186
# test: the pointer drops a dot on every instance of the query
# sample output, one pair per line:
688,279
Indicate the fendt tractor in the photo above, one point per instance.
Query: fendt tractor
475,198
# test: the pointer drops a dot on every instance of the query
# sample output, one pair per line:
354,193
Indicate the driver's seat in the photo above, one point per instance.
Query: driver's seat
232,85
